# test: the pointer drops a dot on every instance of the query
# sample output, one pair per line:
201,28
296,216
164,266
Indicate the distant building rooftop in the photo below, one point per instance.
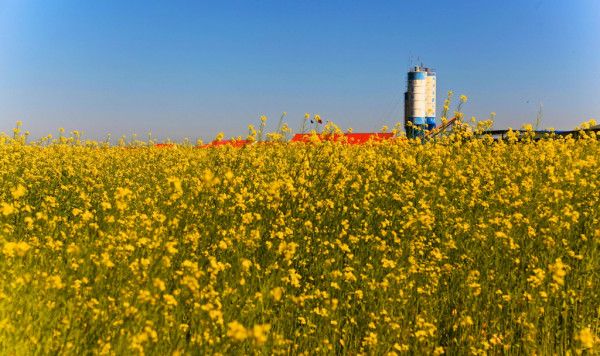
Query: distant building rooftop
351,138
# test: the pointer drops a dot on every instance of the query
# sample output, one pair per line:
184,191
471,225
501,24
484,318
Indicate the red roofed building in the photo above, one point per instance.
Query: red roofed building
351,138
234,143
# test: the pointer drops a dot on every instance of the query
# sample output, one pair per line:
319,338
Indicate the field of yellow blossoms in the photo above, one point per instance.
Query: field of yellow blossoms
462,245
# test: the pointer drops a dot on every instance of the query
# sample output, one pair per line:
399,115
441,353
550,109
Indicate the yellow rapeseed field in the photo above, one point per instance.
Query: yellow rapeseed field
462,245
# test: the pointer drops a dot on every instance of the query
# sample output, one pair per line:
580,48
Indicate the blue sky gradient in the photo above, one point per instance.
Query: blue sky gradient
193,69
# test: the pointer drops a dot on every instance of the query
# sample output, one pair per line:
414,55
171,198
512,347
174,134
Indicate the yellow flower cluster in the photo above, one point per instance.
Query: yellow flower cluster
460,245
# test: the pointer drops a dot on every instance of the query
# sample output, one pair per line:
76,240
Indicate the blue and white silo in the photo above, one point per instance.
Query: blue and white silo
430,98
420,101
415,102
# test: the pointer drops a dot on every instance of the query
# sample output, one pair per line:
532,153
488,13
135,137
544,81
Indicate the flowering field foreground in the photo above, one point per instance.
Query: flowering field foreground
448,247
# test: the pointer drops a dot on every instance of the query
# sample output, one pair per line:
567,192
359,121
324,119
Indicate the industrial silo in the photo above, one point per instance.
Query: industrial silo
430,97
415,98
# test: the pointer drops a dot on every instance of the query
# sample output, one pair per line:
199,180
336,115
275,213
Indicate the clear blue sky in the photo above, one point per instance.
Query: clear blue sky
194,68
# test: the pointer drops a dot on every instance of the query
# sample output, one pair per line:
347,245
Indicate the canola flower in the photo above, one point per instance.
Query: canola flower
460,245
